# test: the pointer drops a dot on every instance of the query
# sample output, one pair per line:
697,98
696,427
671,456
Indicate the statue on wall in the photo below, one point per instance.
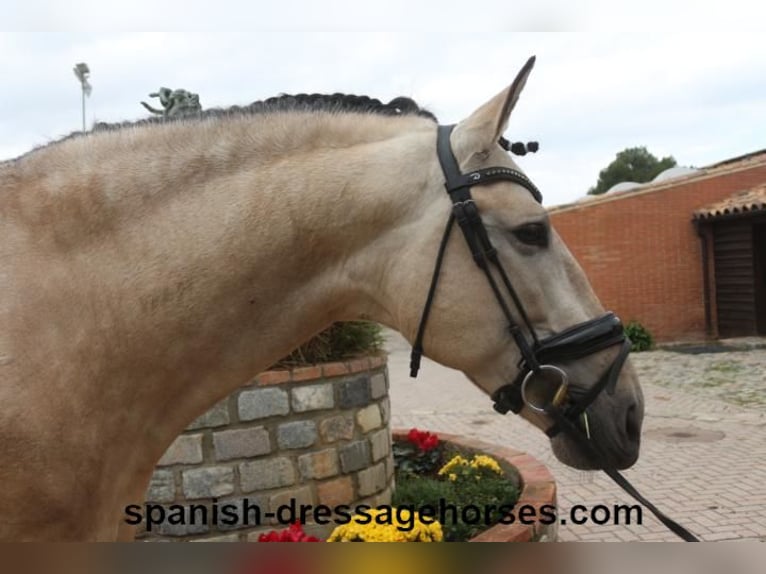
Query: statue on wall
174,103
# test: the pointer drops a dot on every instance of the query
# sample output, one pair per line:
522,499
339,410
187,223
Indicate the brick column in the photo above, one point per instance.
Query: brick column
312,435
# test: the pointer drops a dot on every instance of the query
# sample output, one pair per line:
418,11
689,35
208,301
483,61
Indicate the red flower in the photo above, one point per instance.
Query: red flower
414,435
429,443
424,440
294,533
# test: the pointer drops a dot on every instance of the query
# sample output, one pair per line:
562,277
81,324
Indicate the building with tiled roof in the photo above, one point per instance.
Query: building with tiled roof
685,255
750,201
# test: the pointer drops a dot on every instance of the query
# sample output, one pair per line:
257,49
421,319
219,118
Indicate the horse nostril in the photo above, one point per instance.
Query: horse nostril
633,424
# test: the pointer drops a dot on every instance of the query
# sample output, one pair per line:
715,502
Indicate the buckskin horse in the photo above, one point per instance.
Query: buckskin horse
148,269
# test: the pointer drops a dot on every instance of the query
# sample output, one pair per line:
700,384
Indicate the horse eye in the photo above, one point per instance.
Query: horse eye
532,234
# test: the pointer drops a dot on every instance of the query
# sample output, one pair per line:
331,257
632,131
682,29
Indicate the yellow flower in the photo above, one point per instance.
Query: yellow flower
387,525
455,462
478,462
484,461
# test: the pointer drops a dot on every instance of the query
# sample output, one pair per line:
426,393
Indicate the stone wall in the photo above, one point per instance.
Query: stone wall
313,435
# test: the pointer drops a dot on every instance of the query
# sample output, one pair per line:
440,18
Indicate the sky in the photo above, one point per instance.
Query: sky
603,80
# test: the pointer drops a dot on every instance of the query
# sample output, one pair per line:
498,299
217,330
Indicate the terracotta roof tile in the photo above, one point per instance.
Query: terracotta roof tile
747,201
733,165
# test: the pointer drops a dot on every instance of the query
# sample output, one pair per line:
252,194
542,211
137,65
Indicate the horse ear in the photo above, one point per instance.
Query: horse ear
481,130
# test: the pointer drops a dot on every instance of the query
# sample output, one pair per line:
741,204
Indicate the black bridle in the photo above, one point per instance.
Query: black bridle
538,355
536,367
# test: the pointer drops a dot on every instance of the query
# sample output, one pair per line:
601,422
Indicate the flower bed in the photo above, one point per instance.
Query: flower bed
537,490
459,472
466,491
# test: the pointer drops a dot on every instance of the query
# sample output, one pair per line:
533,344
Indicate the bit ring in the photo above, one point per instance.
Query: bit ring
558,396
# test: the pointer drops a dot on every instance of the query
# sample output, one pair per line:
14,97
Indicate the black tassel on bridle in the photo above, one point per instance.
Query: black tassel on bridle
519,148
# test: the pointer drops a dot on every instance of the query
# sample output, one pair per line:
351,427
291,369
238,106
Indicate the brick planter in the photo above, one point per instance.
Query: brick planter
315,435
538,488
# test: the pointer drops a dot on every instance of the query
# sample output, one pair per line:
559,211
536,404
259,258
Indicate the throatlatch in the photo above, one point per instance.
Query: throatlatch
541,385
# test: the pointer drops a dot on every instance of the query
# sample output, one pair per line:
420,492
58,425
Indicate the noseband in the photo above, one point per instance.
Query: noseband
537,355
536,367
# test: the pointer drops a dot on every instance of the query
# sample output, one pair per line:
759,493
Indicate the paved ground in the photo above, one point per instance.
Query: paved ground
703,458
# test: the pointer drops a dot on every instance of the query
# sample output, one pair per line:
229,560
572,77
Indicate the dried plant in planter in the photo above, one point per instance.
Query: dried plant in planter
338,342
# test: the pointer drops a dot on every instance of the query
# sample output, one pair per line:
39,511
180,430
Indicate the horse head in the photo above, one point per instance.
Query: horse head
510,306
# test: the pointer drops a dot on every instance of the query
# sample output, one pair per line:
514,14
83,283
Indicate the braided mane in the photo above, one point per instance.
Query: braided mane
330,103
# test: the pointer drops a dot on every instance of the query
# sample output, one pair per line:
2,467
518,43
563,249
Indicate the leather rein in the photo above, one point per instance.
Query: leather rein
537,370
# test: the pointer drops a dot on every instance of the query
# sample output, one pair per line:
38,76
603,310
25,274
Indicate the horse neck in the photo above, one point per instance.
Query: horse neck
210,252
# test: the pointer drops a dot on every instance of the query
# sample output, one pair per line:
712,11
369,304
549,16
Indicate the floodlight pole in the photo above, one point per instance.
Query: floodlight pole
81,71
83,108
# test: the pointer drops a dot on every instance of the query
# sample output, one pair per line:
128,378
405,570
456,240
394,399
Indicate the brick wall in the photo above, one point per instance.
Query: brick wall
641,252
318,435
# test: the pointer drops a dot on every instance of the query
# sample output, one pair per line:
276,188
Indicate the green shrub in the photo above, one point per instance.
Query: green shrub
338,342
421,491
640,337
459,487
487,495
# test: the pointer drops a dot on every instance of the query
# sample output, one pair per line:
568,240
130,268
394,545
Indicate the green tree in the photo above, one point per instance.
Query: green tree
631,164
